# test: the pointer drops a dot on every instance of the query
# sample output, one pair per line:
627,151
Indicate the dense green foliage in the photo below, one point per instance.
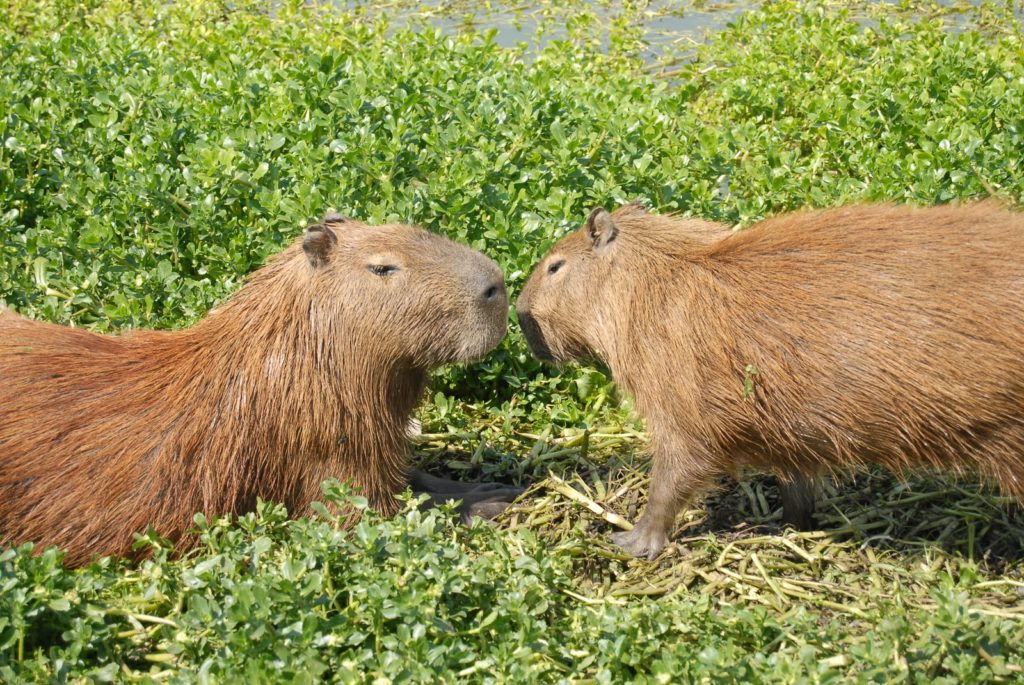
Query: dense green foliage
152,154
415,599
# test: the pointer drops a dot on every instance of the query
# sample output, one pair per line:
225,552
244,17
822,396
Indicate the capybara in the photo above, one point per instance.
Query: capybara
310,371
804,343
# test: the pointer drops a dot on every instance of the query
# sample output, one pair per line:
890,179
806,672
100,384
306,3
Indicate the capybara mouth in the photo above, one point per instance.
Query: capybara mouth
487,336
534,337
485,348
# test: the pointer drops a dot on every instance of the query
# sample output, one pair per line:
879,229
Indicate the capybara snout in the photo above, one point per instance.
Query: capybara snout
802,344
487,306
534,335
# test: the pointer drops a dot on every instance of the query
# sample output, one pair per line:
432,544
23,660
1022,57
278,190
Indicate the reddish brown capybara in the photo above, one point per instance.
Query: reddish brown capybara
804,343
310,371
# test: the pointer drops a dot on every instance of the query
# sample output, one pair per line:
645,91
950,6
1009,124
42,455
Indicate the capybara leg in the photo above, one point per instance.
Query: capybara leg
485,505
481,500
424,482
798,496
670,488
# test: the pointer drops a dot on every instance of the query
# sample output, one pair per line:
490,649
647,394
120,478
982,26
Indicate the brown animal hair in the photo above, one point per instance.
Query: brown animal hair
805,343
310,371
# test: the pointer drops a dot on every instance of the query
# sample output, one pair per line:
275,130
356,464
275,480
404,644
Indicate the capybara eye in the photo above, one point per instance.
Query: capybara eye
553,269
382,269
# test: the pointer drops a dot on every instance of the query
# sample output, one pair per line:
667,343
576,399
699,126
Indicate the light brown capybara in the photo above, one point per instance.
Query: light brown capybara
805,343
310,371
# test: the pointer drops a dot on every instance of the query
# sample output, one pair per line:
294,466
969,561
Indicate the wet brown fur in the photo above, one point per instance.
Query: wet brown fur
879,334
310,371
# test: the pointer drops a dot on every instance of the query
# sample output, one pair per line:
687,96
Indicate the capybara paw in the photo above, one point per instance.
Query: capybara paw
486,510
641,542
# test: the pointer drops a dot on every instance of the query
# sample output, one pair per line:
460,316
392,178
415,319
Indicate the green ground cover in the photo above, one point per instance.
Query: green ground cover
153,154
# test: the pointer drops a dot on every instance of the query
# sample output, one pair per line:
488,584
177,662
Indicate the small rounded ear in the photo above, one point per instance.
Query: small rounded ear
334,218
602,230
318,243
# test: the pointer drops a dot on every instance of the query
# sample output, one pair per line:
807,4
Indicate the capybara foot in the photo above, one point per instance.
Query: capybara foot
642,541
490,490
478,500
488,500
798,519
437,487
487,510
484,489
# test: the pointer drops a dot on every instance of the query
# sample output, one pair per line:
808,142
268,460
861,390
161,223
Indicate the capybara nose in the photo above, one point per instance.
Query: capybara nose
494,292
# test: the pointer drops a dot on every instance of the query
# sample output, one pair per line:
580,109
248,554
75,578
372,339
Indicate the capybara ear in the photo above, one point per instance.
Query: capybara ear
318,243
601,229
334,218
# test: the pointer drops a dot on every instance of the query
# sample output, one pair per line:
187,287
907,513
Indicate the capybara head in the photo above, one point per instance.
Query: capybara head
558,309
565,309
423,295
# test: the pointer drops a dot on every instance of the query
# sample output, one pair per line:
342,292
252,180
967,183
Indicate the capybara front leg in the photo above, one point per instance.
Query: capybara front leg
421,481
798,496
671,487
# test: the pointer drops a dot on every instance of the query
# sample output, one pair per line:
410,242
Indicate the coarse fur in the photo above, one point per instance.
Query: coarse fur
310,371
805,343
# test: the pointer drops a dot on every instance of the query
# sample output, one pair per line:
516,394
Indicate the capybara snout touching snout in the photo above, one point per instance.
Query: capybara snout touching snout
802,344
310,371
